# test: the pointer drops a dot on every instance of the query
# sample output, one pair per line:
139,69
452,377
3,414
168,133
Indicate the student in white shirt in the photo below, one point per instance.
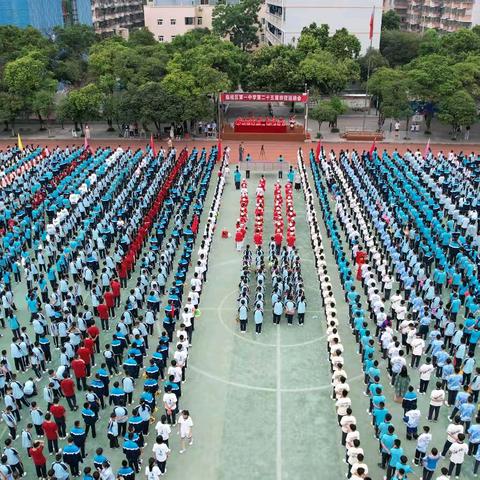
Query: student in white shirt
457,452
161,451
185,423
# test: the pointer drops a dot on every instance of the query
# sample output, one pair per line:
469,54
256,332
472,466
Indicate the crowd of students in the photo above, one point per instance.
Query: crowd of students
109,225
381,203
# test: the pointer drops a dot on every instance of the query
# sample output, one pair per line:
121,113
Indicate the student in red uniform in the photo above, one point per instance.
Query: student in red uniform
116,289
39,460
58,411
103,315
84,353
89,343
109,299
67,386
50,429
94,332
79,368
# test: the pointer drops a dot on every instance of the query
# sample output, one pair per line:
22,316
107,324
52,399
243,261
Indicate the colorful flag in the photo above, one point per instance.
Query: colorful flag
372,17
372,148
319,149
152,145
427,149
19,143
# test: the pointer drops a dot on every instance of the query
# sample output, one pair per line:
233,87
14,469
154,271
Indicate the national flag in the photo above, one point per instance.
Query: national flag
219,151
372,148
152,145
372,17
427,149
318,151
19,143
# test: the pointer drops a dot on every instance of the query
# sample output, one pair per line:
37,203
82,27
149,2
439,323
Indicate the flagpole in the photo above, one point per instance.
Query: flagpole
369,64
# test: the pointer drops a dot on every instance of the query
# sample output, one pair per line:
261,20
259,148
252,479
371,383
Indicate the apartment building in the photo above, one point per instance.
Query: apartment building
285,19
117,17
441,15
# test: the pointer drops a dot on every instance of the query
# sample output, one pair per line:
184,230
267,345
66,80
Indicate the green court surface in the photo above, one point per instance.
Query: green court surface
261,405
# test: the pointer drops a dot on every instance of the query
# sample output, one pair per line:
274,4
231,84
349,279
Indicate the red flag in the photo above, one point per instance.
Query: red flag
372,148
372,16
427,149
152,145
319,149
219,151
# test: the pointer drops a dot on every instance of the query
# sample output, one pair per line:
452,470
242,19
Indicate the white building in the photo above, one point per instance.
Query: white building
285,19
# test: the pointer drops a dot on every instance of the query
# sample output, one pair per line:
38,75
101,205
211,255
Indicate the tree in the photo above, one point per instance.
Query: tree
371,62
319,33
323,112
10,107
328,111
273,69
43,102
343,45
399,48
391,20
326,74
239,22
74,40
141,37
432,78
458,109
430,43
461,43
81,105
391,89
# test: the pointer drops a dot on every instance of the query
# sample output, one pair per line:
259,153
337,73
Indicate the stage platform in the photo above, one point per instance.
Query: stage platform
292,135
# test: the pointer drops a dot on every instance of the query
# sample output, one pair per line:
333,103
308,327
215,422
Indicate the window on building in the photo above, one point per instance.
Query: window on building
159,21
199,20
204,2
173,21
173,36
189,20
160,38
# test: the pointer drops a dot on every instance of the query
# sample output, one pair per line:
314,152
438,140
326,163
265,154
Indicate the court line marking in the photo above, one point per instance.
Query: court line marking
247,386
279,407
221,308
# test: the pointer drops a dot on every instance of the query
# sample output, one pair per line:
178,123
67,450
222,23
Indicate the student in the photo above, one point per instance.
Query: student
430,463
161,451
152,470
39,459
185,428
258,318
457,452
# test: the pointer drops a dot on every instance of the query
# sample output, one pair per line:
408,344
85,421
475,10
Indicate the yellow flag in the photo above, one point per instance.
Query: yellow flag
20,144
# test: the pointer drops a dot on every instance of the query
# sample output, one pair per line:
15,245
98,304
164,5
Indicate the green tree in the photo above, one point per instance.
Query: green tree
391,20
432,78
43,102
273,69
328,111
371,62
10,107
343,45
81,105
239,22
461,43
391,89
430,43
458,109
399,48
325,74
74,40
141,37
319,32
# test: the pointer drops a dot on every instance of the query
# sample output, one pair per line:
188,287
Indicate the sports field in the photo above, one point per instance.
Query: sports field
261,405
